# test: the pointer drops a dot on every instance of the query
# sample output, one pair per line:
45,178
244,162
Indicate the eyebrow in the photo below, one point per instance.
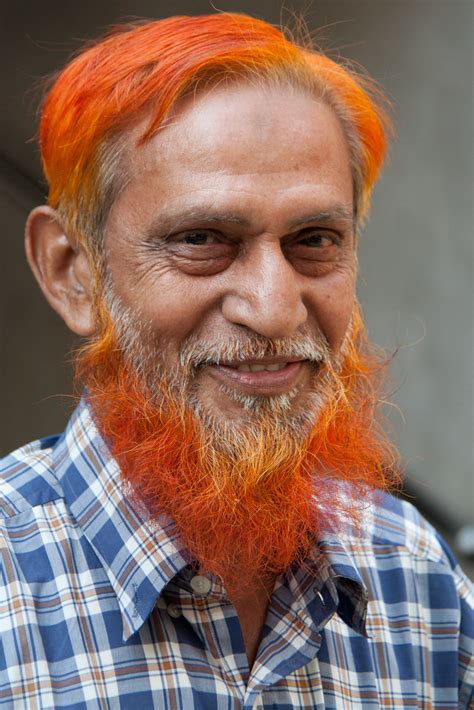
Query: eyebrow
336,213
165,224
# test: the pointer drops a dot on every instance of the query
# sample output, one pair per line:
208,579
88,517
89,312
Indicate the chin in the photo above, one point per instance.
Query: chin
229,412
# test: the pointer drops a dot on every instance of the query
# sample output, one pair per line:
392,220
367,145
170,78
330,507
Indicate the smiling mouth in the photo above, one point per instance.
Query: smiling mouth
261,377
260,367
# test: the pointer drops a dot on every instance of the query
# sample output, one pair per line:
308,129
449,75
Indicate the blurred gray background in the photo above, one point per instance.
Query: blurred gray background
416,253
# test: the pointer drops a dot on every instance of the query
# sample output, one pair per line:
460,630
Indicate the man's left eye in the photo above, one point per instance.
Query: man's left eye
318,240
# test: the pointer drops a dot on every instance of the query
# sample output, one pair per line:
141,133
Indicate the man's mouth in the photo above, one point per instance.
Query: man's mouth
268,376
259,367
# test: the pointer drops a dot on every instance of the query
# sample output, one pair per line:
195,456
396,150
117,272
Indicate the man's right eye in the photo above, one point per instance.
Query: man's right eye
200,237
201,252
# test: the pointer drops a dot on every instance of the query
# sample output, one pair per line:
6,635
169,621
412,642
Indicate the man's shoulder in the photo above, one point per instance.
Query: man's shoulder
27,477
398,523
396,533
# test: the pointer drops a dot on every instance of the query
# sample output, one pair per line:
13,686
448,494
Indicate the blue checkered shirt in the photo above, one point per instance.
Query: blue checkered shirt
99,610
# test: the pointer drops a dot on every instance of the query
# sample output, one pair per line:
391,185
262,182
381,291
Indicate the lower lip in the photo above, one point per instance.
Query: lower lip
263,382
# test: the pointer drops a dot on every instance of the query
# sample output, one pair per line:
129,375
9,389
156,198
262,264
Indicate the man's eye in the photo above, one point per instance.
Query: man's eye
201,252
318,240
316,249
199,237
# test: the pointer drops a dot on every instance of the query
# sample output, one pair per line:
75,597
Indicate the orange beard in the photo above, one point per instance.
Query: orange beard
250,507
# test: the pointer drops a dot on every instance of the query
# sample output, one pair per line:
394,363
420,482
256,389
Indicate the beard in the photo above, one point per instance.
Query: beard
247,496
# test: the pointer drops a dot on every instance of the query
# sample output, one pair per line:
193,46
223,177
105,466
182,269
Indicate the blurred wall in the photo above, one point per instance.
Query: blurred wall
416,253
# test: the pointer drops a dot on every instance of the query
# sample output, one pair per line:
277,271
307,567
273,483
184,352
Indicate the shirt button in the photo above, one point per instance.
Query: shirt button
201,584
173,611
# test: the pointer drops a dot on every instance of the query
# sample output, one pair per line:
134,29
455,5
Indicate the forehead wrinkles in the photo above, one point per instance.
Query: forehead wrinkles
203,129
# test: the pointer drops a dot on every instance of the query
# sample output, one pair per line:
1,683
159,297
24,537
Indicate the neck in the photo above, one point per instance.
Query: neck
251,605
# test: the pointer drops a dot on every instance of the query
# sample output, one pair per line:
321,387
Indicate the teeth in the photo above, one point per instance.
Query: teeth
271,367
276,366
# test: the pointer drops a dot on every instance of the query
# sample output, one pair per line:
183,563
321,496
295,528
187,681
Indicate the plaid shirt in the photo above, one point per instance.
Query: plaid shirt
99,610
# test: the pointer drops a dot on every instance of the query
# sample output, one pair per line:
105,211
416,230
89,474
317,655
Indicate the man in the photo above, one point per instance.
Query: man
213,529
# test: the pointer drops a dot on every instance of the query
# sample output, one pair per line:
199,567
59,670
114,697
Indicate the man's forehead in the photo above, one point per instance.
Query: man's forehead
228,120
273,183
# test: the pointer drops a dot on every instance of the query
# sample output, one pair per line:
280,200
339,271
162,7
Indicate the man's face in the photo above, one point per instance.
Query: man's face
235,230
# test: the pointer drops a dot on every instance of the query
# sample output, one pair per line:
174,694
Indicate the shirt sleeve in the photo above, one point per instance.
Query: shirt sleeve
464,589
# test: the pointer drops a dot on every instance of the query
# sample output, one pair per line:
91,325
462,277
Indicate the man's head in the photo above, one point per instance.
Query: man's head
206,179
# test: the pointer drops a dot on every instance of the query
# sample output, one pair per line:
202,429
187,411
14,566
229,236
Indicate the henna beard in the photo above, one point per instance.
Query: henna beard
247,500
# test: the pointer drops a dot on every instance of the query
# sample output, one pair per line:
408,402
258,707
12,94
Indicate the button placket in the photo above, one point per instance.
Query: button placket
212,607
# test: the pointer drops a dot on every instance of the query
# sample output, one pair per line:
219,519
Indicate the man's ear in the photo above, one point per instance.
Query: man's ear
61,268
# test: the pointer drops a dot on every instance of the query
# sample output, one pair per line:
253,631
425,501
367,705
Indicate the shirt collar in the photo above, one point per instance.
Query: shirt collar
330,575
140,559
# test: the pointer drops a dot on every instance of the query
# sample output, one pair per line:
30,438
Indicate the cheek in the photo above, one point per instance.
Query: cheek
332,307
175,308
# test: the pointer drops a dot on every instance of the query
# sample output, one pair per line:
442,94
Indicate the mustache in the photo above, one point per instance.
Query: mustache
197,352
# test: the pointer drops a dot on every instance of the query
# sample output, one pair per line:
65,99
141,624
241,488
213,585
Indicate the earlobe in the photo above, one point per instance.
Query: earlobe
61,268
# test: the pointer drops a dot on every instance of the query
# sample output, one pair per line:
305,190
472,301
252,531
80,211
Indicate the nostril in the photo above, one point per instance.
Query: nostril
268,314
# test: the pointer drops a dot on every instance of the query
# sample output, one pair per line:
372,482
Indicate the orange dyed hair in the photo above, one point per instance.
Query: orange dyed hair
146,67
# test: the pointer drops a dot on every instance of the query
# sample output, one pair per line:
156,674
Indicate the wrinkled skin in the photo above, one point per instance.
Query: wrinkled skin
237,220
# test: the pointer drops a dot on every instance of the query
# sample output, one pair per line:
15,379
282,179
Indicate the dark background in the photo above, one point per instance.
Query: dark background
415,254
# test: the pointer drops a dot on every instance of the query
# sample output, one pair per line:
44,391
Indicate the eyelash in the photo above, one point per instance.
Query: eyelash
181,238
334,238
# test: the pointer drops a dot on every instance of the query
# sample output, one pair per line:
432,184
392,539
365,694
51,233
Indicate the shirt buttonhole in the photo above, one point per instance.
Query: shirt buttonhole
320,597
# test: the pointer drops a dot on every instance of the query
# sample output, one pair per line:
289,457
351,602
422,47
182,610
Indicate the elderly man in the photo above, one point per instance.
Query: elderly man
213,529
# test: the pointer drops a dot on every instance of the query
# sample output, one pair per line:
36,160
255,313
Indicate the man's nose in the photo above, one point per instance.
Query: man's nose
266,294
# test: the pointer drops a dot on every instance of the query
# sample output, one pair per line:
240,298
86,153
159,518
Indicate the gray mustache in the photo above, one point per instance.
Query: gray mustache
196,352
